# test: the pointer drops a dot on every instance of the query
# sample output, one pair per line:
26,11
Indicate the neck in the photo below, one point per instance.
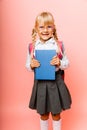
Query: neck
45,40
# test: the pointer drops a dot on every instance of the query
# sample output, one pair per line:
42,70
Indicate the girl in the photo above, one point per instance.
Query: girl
48,96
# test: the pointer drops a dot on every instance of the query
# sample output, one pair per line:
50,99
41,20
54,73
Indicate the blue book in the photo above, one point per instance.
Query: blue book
46,71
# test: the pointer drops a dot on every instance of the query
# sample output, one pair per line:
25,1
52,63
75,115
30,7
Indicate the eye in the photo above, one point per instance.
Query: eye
41,27
49,26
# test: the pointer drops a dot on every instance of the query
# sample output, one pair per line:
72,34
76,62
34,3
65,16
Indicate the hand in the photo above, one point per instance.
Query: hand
34,63
55,61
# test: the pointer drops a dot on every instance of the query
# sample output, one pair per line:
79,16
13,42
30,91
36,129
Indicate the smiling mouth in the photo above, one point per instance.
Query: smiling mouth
45,34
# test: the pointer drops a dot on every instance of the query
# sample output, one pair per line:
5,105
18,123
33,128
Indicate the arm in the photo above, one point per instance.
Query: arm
61,63
31,62
64,62
28,61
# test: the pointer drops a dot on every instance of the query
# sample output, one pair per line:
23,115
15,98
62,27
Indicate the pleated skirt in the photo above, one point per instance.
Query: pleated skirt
50,96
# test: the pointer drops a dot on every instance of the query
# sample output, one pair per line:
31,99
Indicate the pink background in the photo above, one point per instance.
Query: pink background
17,20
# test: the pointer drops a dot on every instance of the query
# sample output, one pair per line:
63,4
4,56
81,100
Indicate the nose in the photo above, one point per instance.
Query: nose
45,29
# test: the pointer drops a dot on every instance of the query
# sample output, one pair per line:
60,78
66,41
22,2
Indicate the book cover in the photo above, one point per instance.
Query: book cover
46,71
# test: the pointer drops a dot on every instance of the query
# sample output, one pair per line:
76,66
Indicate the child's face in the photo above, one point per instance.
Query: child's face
45,32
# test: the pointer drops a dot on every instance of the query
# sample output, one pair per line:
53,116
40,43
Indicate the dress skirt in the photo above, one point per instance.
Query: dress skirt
50,96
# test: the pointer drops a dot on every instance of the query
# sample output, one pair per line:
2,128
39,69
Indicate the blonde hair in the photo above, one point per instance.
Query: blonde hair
47,18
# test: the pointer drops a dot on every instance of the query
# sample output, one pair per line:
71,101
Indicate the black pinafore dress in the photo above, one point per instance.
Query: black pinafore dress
50,95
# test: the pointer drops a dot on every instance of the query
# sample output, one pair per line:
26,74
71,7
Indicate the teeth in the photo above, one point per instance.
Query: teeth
45,34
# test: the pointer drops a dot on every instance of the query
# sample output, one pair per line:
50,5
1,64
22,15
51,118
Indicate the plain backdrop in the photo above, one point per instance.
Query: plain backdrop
17,20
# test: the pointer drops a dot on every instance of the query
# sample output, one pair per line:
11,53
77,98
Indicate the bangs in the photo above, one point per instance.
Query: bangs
45,18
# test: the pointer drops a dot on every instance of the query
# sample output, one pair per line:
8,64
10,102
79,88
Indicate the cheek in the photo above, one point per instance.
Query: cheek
51,33
38,32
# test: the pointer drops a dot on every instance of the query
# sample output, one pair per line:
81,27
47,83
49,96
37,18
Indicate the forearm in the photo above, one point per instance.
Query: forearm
28,63
64,63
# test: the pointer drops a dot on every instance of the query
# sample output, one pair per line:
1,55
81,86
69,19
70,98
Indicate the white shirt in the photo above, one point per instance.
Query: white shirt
48,45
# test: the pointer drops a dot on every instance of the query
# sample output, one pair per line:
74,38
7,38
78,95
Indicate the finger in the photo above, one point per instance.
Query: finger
54,56
54,61
36,64
34,61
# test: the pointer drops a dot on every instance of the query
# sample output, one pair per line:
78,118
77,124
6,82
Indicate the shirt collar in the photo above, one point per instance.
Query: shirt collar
52,41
